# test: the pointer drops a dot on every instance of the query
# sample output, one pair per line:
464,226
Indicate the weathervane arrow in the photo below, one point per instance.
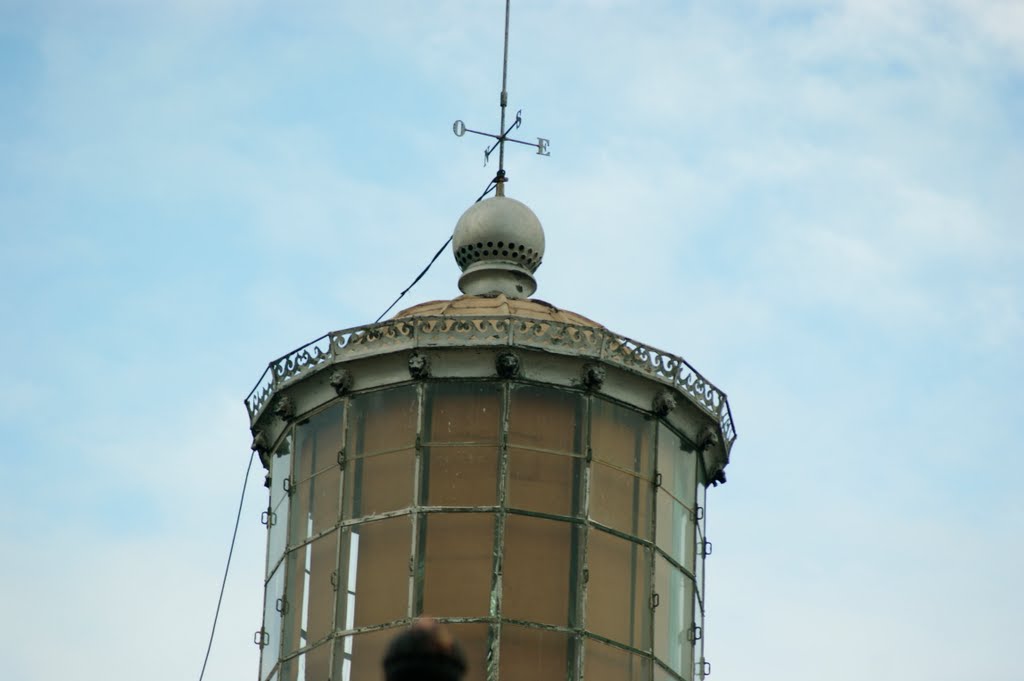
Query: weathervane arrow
541,145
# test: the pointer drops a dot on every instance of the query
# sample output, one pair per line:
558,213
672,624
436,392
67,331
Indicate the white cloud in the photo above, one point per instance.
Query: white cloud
814,203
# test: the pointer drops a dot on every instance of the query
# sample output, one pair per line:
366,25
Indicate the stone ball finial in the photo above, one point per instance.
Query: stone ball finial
498,244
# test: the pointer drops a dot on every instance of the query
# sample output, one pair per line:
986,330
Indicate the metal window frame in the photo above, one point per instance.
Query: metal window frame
576,629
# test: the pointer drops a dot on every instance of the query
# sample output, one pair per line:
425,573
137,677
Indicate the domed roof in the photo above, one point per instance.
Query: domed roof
498,243
496,306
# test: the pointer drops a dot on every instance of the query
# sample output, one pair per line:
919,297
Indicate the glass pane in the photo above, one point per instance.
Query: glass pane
698,564
666,638
686,593
318,610
379,483
662,674
317,442
315,505
382,421
311,666
277,512
546,418
538,570
548,483
675,529
461,476
326,499
287,670
621,437
310,594
475,640
619,589
358,657
457,564
673,618
678,467
463,412
603,662
272,621
373,573
702,501
698,660
301,518
277,534
534,654
318,664
280,469
620,500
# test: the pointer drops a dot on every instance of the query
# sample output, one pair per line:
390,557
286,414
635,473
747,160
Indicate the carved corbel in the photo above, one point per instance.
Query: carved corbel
593,376
707,439
284,408
507,364
664,403
341,381
419,366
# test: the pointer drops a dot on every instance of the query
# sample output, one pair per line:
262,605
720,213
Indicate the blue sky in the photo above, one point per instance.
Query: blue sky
816,203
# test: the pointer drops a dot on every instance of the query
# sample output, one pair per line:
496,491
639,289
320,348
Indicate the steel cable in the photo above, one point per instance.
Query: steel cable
231,550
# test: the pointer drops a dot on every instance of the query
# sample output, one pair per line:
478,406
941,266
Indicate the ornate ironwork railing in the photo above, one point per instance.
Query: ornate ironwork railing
440,331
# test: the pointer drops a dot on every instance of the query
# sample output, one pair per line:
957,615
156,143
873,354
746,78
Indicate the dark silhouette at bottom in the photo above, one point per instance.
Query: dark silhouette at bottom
425,651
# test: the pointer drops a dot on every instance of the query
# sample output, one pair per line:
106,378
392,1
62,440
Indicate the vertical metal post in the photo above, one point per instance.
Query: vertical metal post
656,464
494,659
585,532
339,588
500,178
419,519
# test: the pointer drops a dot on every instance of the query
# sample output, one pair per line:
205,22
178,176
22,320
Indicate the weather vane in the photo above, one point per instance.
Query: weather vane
541,145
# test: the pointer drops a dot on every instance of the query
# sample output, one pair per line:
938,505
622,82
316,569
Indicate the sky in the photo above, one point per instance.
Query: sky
816,203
